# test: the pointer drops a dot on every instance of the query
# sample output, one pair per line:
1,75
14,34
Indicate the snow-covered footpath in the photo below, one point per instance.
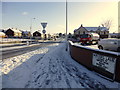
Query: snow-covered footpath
49,67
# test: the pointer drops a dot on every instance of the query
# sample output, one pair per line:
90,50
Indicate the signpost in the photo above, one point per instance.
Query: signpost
44,26
43,31
107,63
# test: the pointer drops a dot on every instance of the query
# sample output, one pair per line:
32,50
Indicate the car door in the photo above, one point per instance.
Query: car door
113,45
106,44
117,44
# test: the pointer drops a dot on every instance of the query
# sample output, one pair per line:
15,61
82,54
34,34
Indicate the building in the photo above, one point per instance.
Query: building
114,35
26,34
13,33
102,31
36,34
2,34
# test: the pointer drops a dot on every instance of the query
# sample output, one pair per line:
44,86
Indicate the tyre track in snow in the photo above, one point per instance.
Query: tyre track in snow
81,78
55,71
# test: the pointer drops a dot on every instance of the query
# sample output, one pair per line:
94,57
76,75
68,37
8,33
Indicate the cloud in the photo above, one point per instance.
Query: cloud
24,13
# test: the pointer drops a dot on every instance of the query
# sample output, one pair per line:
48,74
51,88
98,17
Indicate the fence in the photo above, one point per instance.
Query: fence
104,62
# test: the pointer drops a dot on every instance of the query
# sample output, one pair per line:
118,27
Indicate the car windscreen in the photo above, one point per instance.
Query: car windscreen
84,36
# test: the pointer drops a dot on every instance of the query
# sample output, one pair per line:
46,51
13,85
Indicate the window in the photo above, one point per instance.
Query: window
83,32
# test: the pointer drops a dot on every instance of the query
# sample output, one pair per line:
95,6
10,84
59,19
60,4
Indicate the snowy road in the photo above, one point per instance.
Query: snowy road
18,50
50,67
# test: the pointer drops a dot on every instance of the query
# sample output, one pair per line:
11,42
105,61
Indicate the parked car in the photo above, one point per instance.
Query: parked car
89,38
109,44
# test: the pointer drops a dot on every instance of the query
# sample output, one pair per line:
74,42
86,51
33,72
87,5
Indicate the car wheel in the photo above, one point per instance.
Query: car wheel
91,42
96,42
100,47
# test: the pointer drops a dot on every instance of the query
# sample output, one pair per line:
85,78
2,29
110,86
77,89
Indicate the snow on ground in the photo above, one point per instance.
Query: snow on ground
89,46
95,47
16,47
11,39
50,67
11,44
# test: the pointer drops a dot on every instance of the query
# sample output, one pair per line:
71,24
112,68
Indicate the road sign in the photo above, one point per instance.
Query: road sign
44,31
44,25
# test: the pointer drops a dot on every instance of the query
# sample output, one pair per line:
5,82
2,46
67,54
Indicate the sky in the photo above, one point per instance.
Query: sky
119,16
91,14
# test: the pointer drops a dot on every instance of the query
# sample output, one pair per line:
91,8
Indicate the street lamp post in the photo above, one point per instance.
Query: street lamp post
31,27
28,42
66,27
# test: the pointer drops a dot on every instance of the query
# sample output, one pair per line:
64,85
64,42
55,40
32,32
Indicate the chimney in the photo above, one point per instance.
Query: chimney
81,25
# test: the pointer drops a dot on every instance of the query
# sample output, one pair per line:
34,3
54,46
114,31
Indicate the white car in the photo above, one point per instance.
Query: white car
109,44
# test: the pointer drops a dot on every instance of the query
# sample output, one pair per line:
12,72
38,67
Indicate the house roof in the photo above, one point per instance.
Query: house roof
25,32
114,34
2,34
36,32
75,30
96,28
92,28
16,31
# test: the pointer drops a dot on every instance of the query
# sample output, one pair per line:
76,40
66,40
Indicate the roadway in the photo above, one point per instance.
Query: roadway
12,51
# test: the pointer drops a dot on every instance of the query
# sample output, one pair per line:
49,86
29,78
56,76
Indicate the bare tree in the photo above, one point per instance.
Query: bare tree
107,23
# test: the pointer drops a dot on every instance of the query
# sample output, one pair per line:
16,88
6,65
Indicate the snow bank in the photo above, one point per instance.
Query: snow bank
95,48
50,67
16,70
12,39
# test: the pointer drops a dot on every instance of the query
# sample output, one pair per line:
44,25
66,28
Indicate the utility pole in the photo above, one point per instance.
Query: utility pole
31,27
28,42
66,27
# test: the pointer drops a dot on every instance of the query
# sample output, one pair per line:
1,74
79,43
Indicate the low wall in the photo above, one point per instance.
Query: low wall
104,62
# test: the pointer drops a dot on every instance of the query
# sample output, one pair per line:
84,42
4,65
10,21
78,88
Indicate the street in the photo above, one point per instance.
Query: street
14,51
